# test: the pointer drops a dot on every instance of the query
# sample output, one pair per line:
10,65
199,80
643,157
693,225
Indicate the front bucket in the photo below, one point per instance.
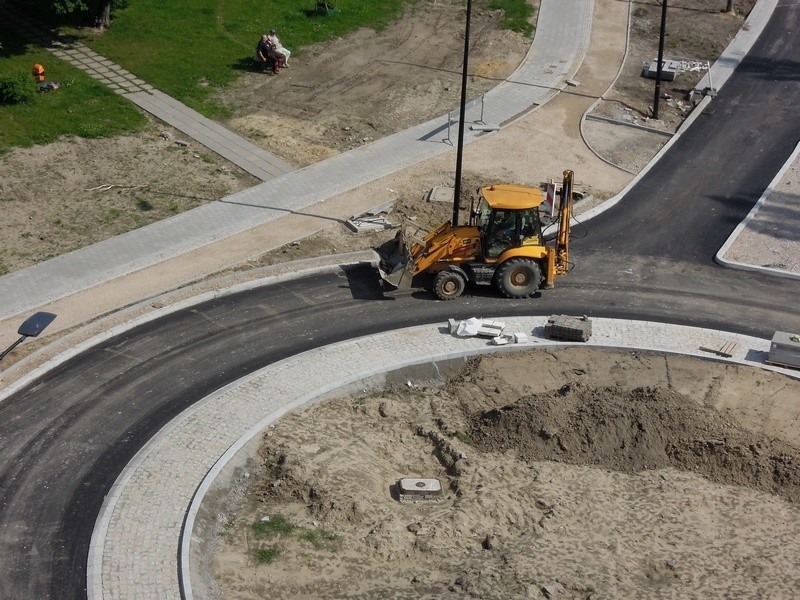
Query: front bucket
395,266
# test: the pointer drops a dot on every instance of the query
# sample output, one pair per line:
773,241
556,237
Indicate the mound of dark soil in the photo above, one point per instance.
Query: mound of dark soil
636,430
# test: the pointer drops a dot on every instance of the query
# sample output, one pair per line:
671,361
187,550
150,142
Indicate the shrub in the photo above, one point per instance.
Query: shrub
267,555
17,89
277,524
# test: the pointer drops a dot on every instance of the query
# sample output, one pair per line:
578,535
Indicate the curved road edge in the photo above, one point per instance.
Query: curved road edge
720,256
721,71
149,515
354,258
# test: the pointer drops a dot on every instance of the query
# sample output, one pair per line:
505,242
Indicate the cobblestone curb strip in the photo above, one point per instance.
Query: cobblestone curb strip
720,256
149,515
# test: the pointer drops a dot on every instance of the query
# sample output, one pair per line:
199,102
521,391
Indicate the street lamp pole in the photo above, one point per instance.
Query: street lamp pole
32,327
461,117
657,94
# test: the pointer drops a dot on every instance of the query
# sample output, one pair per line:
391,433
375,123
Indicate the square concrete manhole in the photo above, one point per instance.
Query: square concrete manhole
412,489
441,194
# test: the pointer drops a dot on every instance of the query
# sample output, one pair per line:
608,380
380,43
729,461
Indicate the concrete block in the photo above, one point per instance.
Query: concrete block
500,340
490,329
784,350
520,338
452,326
669,69
568,328
413,489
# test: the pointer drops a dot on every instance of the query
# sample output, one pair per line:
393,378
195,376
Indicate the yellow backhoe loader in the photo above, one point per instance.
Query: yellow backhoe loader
503,245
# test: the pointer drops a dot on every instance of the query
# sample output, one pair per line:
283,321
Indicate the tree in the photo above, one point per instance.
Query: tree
104,20
68,7
98,10
729,6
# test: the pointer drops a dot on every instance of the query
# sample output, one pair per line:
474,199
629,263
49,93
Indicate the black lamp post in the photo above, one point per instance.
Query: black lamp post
657,94
461,117
32,327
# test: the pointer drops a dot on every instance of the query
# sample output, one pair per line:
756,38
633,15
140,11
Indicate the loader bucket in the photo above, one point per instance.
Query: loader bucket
396,266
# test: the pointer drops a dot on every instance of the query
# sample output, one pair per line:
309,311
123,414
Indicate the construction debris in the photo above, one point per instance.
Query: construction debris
568,328
474,326
485,328
375,219
727,349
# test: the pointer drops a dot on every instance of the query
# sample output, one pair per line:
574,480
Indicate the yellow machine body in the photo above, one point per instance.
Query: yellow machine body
502,244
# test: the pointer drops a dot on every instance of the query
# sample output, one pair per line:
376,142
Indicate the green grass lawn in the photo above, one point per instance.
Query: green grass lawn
80,107
186,49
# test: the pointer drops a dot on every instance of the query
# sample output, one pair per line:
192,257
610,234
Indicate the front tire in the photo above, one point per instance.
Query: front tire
449,285
519,278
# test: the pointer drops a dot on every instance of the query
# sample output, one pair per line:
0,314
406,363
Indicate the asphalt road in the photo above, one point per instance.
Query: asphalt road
64,439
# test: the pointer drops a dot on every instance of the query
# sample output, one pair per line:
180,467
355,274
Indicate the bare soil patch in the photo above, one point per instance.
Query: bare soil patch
345,93
567,474
75,192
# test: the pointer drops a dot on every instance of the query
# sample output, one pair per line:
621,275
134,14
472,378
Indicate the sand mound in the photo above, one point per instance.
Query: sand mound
634,430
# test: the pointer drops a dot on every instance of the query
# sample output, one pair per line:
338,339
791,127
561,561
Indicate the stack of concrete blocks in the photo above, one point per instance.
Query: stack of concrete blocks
491,329
568,328
785,350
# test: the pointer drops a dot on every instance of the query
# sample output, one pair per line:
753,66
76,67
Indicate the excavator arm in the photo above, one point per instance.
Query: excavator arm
564,216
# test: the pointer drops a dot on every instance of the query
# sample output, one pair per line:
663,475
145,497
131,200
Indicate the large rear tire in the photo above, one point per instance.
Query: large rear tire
519,278
449,285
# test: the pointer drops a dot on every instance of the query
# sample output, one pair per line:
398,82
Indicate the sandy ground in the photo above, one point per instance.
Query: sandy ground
566,474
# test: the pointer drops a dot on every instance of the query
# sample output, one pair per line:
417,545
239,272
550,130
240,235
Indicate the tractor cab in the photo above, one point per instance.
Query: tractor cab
507,216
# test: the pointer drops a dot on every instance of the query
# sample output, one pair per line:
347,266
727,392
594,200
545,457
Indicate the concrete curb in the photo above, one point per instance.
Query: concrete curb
602,96
248,437
720,256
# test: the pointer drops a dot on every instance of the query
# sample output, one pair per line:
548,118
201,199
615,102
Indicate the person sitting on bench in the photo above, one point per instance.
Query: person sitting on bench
280,53
263,51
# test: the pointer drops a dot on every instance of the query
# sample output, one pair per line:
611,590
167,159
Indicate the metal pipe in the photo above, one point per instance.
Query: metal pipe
462,113
661,35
